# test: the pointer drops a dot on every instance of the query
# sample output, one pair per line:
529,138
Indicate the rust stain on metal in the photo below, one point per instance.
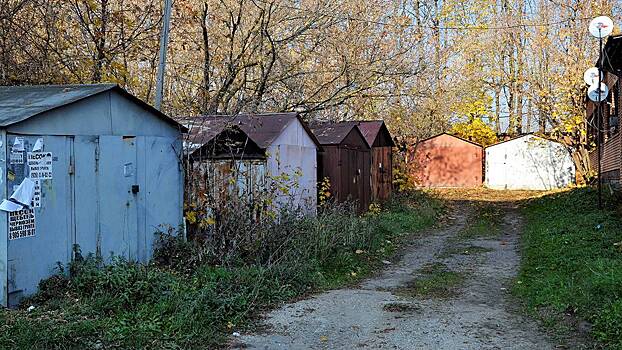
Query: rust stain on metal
447,161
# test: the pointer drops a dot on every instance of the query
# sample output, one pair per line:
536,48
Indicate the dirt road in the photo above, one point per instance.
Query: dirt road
449,290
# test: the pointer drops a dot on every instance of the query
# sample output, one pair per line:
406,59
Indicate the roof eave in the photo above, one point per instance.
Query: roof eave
448,134
305,126
105,88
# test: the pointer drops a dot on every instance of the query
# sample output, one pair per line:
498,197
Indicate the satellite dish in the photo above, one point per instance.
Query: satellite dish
601,27
591,76
598,95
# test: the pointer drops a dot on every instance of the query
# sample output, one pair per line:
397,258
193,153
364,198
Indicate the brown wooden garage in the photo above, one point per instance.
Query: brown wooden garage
447,161
345,161
378,137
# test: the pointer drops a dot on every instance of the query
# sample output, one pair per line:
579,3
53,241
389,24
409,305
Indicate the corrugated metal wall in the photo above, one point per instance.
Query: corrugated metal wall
447,161
381,173
529,163
294,154
90,202
611,154
611,150
347,166
611,159
116,179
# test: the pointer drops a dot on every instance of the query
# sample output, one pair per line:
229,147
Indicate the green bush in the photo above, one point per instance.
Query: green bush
572,261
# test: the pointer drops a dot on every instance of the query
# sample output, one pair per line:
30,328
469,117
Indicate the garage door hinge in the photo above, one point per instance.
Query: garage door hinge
72,166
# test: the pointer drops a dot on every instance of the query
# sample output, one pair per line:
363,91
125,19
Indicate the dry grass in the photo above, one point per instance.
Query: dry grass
482,194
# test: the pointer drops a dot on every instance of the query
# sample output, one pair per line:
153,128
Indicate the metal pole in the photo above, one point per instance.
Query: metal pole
599,125
168,4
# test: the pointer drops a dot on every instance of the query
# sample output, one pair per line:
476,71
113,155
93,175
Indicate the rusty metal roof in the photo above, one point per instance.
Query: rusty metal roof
261,128
371,128
332,133
18,103
231,143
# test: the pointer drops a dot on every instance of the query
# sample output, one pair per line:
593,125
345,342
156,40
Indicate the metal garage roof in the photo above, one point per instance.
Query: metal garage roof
370,130
262,128
18,103
334,133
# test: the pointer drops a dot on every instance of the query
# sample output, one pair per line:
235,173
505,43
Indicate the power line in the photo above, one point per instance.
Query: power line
475,27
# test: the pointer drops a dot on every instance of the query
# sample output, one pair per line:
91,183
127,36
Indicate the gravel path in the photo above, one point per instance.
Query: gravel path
375,315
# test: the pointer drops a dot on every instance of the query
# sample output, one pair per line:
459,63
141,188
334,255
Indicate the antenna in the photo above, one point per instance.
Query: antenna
600,27
598,95
591,76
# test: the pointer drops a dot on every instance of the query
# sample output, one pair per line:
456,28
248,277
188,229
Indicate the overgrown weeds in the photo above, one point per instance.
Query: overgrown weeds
194,293
572,262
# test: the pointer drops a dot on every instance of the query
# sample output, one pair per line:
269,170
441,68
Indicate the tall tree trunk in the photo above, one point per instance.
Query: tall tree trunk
205,92
497,120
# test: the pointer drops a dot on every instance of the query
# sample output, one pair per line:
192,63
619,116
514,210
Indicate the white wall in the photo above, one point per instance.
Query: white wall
293,153
529,163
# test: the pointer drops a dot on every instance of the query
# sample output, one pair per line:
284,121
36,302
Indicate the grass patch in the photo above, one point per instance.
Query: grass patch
193,295
485,222
572,262
407,213
433,281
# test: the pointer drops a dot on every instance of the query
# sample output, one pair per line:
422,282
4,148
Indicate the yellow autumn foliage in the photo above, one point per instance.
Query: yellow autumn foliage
475,130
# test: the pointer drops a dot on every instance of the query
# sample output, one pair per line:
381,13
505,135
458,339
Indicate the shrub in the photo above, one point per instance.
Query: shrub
196,292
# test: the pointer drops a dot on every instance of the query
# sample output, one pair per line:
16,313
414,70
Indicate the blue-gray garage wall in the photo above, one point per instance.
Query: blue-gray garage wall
102,146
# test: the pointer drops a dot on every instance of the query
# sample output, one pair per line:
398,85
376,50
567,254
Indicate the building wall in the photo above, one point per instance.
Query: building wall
381,173
328,167
90,200
611,160
611,153
347,166
294,154
529,163
447,161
